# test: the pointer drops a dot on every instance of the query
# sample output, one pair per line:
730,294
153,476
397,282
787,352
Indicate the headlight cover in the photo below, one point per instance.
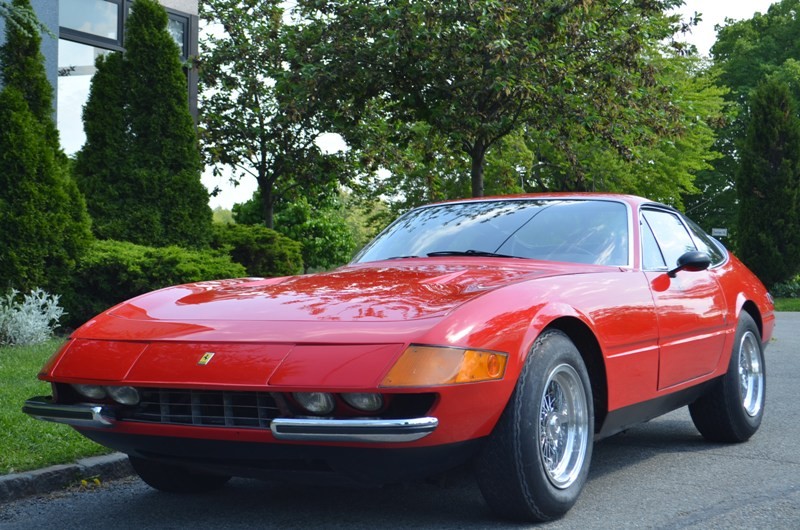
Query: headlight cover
435,366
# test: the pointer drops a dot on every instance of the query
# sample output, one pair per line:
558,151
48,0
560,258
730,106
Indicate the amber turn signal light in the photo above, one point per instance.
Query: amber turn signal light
433,365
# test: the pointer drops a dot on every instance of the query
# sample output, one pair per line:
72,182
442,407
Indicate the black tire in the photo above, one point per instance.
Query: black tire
175,479
732,410
521,472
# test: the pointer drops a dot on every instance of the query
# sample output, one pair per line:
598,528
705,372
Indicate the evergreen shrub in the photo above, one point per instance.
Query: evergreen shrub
115,271
262,251
787,289
140,166
44,226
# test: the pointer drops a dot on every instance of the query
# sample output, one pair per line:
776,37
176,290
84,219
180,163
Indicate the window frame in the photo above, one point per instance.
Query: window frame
689,226
118,44
90,39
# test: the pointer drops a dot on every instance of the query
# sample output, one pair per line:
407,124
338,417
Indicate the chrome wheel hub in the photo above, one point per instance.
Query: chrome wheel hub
751,374
563,426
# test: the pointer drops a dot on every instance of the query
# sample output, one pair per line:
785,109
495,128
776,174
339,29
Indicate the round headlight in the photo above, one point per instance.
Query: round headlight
315,402
124,395
91,391
366,402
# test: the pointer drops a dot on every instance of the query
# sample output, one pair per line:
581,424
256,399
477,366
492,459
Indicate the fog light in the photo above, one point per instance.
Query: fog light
124,395
367,402
315,402
91,391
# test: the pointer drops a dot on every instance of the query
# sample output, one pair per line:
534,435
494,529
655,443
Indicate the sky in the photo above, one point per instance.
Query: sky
713,12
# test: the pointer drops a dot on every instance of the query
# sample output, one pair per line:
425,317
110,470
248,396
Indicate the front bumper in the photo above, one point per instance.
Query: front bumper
79,415
91,415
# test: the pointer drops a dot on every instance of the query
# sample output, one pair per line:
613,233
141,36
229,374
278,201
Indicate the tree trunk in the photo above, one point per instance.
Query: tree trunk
477,154
267,210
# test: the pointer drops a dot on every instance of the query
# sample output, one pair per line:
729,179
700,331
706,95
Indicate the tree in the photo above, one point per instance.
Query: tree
23,66
22,17
768,185
140,167
45,227
745,53
477,71
252,117
326,237
423,166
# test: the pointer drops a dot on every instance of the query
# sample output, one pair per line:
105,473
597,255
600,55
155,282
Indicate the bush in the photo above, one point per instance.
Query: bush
30,320
262,251
44,227
788,289
140,166
114,271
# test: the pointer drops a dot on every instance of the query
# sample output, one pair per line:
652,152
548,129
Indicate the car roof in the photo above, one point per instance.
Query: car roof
633,200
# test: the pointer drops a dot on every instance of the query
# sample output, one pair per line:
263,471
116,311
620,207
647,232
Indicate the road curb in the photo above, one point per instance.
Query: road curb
50,479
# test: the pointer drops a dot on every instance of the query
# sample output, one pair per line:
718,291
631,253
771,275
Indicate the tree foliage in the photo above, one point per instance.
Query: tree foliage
252,117
45,227
768,185
140,167
326,237
261,250
566,75
22,18
746,53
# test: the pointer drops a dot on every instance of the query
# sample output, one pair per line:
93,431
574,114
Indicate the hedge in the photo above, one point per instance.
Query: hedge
262,251
114,271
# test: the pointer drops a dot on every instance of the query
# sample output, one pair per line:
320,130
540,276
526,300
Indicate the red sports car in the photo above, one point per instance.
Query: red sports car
508,332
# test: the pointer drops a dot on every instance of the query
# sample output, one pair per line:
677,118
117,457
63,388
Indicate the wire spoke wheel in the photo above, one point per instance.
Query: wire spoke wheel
751,374
536,462
563,426
732,409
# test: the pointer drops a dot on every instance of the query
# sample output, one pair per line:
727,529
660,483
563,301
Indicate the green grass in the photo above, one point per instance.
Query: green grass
26,443
787,304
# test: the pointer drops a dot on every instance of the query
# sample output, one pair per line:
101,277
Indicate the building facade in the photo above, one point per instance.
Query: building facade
87,29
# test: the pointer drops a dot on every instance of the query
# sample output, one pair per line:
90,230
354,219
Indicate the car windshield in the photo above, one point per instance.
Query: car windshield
577,231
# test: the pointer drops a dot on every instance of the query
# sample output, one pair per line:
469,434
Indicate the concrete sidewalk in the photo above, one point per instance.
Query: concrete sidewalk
54,478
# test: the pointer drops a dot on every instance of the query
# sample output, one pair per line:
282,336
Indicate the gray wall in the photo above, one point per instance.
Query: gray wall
185,6
47,11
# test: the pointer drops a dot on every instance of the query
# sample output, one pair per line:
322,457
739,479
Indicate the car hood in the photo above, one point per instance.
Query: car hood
384,291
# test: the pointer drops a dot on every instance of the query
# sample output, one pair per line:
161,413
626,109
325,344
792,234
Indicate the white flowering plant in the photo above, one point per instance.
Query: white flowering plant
29,319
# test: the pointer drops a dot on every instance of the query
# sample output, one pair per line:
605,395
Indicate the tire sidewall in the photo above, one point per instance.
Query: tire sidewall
743,422
552,349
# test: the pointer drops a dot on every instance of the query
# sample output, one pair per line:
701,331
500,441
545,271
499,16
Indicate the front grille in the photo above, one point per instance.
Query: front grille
211,408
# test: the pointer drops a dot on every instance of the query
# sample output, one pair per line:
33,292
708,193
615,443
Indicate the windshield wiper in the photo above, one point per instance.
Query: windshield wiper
470,252
403,257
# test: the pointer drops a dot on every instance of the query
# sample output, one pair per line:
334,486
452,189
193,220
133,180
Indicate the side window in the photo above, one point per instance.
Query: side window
651,254
671,235
707,244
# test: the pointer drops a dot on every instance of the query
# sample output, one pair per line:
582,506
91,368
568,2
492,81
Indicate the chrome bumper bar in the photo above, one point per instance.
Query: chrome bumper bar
288,429
355,430
80,414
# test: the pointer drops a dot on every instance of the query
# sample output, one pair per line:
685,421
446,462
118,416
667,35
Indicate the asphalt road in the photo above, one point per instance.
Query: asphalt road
657,475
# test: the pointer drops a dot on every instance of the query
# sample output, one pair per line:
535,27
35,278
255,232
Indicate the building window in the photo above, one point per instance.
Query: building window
176,26
89,28
75,71
96,17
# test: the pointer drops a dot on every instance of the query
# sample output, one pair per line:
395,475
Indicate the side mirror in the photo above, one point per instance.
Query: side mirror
692,261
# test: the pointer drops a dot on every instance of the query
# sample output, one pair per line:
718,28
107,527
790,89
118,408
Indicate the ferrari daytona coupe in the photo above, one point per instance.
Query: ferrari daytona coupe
508,333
